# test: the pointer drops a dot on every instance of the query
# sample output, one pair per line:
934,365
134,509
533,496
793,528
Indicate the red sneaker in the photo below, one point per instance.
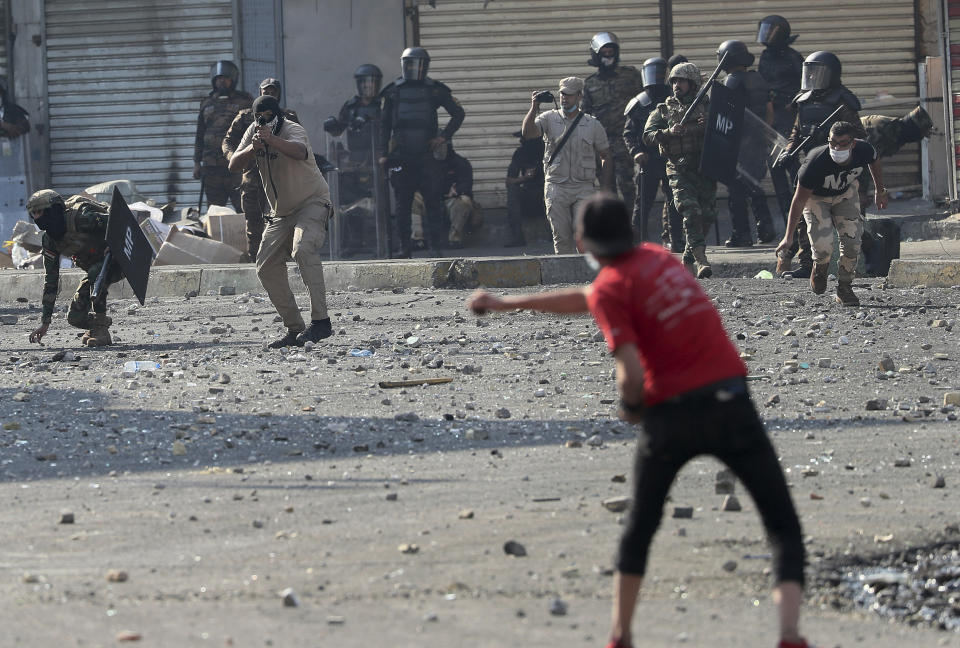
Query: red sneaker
794,644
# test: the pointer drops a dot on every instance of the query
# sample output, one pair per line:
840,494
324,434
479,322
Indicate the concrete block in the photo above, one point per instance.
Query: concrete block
174,281
510,272
565,268
905,273
241,277
383,275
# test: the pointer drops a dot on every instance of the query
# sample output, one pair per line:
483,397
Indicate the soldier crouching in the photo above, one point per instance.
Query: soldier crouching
76,228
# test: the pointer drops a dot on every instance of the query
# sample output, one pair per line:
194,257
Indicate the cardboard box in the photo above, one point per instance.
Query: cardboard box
156,233
228,228
186,249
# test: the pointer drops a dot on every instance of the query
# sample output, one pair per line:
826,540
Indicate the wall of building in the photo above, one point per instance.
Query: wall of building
324,42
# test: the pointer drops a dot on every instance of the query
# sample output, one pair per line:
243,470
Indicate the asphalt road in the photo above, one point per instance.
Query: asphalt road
231,473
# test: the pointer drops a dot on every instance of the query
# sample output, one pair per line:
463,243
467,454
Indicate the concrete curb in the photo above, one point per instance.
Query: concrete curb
906,273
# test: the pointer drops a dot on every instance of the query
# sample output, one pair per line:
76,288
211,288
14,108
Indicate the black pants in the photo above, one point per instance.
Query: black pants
720,422
654,176
741,195
423,174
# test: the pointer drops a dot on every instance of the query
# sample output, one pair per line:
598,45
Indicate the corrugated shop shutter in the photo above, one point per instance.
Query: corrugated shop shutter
493,57
125,80
4,10
874,39
953,27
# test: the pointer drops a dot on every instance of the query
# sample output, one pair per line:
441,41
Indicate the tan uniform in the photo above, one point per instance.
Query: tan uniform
300,210
570,178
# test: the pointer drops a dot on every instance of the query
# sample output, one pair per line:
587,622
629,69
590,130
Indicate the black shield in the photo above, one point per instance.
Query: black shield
128,245
721,144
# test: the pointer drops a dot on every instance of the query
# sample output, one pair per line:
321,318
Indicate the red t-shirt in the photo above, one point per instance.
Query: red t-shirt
649,299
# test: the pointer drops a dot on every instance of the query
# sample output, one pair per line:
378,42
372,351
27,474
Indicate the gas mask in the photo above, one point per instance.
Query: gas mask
840,157
52,221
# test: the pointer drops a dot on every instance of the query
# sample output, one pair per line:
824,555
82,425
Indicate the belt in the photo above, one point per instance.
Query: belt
720,391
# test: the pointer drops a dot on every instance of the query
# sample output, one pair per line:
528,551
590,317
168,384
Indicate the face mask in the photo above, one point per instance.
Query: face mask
270,124
592,262
572,108
607,61
52,222
840,156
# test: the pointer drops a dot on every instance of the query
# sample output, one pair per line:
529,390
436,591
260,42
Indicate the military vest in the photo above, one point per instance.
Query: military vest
360,140
813,108
84,248
217,114
607,97
414,118
782,69
683,150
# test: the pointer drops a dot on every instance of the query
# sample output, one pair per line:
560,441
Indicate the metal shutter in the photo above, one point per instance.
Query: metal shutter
493,58
874,39
4,14
953,29
125,81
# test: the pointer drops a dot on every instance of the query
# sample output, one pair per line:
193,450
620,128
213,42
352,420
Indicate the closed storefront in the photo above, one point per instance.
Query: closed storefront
125,80
492,58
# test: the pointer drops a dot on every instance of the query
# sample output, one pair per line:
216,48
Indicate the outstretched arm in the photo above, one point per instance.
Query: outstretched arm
555,301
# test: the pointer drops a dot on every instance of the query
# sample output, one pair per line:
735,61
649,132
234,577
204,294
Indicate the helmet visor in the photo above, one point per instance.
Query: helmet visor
654,74
368,87
414,69
816,76
770,33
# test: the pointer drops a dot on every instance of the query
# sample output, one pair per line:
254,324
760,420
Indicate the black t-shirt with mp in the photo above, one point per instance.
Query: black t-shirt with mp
825,177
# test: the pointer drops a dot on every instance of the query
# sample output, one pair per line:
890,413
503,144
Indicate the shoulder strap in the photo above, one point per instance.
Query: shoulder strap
563,140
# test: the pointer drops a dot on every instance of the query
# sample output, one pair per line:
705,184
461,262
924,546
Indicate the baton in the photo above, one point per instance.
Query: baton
703,90
102,277
642,214
203,181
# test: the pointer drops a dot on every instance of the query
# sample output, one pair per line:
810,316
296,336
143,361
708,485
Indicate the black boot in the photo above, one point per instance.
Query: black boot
318,330
290,339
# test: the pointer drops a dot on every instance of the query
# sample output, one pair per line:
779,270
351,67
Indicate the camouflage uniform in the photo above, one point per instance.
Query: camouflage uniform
84,242
605,96
216,114
823,214
889,134
253,201
694,195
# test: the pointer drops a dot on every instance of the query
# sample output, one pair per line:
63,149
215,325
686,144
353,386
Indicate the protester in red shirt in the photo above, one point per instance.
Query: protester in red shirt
679,375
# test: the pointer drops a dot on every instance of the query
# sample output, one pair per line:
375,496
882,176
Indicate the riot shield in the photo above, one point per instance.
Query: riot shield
129,246
721,142
760,145
361,221
333,181
13,184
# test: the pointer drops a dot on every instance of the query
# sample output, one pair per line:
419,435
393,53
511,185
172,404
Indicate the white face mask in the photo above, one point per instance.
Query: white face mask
592,261
839,156
607,60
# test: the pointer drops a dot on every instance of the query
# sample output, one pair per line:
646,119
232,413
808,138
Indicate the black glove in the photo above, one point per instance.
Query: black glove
331,125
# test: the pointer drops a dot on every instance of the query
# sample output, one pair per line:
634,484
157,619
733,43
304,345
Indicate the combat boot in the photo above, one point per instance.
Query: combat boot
818,278
318,330
765,231
700,264
688,263
845,294
784,265
99,333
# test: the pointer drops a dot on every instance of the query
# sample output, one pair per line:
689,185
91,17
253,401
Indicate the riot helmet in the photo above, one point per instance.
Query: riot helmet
821,70
654,72
598,42
368,77
687,71
737,54
414,63
225,69
774,31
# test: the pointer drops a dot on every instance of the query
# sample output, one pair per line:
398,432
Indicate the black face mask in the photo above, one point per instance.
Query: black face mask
52,221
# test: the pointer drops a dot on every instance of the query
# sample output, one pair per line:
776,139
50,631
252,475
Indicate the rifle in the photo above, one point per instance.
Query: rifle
104,273
789,155
703,90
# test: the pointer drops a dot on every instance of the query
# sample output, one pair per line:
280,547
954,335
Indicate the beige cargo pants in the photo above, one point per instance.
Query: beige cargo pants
562,201
300,235
823,214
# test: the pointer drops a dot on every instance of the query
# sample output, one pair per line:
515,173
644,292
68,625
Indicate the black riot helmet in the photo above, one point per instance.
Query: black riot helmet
368,77
736,53
414,63
654,72
675,60
598,42
821,70
224,69
774,31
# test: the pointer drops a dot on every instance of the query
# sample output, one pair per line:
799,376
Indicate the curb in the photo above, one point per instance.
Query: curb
907,273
